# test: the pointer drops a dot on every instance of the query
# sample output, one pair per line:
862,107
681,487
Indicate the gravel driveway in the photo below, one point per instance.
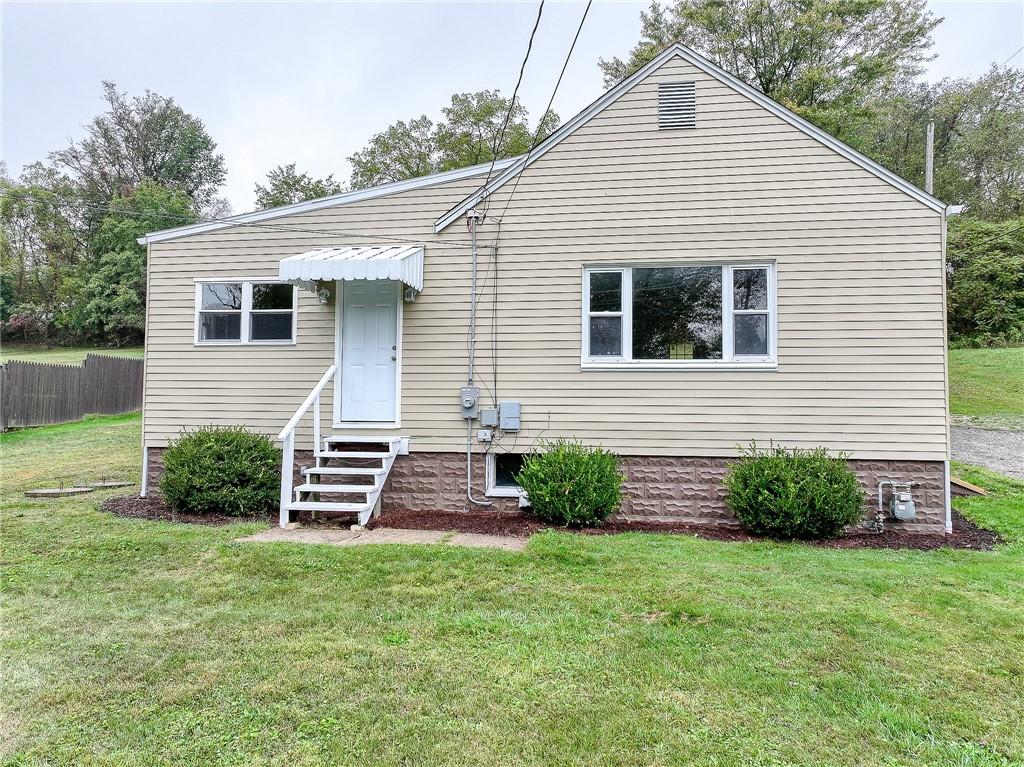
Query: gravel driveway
1000,450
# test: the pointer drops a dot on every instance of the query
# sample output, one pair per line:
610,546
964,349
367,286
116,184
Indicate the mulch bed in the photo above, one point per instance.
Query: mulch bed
154,508
965,535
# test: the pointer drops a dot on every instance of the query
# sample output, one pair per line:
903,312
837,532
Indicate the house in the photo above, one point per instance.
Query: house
682,268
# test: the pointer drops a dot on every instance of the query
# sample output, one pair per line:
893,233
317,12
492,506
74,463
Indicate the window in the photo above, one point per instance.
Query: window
247,311
501,474
679,316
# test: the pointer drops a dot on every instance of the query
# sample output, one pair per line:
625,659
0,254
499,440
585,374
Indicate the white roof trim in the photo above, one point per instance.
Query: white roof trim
356,262
325,202
718,73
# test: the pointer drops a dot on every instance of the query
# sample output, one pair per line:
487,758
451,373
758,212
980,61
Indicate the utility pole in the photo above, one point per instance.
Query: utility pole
929,158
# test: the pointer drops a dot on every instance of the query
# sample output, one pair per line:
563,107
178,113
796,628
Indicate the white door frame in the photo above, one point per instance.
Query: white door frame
339,309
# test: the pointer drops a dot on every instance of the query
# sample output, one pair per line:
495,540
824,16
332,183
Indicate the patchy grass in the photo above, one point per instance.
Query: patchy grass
1002,511
136,643
63,355
987,385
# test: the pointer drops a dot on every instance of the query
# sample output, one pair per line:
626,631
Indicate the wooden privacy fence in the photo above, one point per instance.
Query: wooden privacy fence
38,393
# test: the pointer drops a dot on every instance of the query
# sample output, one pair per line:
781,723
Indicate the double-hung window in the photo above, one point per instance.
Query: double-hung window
244,312
706,315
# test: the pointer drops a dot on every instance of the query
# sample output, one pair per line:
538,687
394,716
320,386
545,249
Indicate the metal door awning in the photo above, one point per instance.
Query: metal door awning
356,262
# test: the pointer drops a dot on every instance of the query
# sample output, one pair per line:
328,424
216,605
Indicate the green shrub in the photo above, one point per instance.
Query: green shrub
793,493
569,484
222,471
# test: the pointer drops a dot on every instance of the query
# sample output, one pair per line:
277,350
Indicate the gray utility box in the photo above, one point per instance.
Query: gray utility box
489,417
508,415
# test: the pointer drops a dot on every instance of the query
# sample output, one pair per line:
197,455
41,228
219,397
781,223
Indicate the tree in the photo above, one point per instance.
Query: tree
146,138
40,243
473,123
106,299
467,135
285,187
979,138
404,150
985,281
819,58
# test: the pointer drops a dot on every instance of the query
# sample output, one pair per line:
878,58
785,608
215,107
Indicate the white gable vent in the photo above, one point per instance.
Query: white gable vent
677,105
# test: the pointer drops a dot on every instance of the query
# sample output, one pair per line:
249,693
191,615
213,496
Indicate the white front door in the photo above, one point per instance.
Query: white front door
369,350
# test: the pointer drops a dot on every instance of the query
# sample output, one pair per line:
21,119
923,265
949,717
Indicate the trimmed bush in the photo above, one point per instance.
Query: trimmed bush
222,471
572,485
795,493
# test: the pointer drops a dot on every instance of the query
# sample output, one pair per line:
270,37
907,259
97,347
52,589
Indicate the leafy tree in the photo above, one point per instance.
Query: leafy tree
146,138
467,135
285,186
979,138
820,58
106,300
985,281
472,123
6,296
40,243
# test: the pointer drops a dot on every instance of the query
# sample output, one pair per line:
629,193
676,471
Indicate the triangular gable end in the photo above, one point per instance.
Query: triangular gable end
722,76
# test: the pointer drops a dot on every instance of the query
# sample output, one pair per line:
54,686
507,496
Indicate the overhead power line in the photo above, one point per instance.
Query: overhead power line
1011,56
515,93
551,101
519,175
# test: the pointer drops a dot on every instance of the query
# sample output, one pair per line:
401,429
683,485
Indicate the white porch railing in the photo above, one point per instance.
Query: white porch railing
287,437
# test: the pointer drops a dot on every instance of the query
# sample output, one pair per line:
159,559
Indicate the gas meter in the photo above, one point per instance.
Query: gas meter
901,505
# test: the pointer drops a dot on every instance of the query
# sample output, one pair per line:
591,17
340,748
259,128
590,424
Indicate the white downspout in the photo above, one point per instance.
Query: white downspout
950,210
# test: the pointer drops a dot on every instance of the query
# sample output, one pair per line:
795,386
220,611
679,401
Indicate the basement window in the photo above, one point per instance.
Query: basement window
245,312
679,317
502,469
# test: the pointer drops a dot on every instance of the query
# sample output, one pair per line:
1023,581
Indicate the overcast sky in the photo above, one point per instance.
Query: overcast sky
310,83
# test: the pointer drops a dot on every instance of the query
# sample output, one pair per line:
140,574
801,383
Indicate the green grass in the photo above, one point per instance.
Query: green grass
132,643
63,355
987,383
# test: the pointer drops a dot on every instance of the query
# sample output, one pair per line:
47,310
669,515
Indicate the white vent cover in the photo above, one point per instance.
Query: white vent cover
677,105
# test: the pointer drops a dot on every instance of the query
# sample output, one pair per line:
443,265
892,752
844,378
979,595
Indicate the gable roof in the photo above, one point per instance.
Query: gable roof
325,202
680,50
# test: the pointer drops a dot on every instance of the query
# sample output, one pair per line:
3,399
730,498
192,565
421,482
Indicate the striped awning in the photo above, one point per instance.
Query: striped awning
356,262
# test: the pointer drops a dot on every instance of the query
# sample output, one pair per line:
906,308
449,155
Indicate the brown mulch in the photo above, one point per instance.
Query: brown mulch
965,535
154,508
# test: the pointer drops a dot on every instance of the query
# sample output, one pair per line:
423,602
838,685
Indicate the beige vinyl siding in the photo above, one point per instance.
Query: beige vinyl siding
861,347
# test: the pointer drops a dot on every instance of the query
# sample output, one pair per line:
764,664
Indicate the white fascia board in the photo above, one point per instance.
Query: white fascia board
722,76
325,202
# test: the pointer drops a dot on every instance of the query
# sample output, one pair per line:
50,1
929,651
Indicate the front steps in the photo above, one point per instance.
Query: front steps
348,476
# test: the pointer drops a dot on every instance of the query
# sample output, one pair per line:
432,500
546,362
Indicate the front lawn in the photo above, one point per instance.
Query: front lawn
135,643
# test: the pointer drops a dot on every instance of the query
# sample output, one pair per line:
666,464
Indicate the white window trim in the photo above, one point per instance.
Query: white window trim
493,491
729,361
246,311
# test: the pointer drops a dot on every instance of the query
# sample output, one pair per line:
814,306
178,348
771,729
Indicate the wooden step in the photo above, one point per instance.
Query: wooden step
315,488
343,470
355,508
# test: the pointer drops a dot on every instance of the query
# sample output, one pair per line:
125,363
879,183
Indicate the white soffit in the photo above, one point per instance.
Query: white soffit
356,262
